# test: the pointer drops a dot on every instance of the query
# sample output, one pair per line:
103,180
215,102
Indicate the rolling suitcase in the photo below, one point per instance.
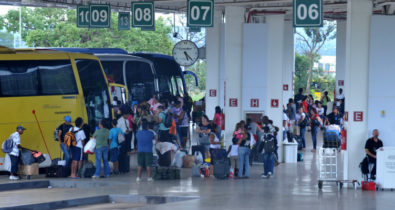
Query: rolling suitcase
166,173
221,169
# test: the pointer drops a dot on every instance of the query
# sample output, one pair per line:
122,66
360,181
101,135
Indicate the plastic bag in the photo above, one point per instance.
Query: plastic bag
198,158
90,146
178,159
7,163
27,157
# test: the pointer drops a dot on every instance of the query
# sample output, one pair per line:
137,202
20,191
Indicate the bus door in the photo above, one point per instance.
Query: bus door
96,95
119,96
140,80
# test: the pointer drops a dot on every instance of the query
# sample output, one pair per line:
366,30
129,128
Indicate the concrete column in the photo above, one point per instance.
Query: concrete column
275,67
289,61
359,14
234,18
340,52
213,54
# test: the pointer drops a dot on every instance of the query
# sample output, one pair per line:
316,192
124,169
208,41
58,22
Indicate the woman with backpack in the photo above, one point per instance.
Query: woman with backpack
302,121
315,123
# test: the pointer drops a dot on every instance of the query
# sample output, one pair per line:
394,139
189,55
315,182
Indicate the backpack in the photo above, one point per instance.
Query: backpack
305,122
8,145
269,143
168,120
69,138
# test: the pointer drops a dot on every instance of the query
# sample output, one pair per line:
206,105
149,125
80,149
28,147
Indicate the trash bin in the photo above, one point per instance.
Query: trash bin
290,152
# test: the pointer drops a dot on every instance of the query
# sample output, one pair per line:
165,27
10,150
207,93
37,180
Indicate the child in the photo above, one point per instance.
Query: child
233,156
268,153
239,131
114,150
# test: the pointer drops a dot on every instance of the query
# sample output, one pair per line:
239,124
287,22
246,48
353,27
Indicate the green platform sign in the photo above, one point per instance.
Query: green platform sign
308,13
143,15
83,16
100,16
200,13
124,21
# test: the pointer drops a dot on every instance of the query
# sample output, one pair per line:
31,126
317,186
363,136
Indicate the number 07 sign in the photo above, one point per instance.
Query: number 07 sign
200,13
308,13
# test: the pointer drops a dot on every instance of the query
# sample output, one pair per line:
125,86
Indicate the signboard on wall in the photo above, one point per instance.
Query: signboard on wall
83,16
100,16
358,116
274,103
340,83
346,116
254,102
213,93
124,21
143,15
200,13
233,102
285,87
308,13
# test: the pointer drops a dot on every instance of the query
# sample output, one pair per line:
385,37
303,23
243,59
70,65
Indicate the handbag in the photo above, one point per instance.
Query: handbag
121,138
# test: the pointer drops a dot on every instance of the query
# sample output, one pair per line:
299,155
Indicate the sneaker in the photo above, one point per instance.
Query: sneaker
138,179
150,179
264,176
95,177
231,175
14,178
269,174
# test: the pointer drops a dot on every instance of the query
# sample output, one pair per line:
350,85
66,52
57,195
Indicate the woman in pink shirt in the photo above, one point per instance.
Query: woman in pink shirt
217,121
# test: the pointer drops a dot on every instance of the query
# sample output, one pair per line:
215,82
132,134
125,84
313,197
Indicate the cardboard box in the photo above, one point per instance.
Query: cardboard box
29,169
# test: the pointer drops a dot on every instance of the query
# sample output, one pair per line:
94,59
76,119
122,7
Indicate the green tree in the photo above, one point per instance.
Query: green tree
199,68
47,27
301,68
314,39
6,39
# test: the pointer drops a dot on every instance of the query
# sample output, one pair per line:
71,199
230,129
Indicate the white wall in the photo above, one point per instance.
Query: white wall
341,52
289,60
254,66
382,78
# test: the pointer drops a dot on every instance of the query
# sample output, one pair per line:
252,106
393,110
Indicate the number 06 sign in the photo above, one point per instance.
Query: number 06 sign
200,13
307,13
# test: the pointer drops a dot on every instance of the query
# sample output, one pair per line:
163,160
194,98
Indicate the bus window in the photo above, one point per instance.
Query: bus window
174,85
114,71
36,78
164,85
140,80
180,86
95,91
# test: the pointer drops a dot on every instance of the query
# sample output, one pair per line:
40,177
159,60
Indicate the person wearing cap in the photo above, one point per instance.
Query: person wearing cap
14,155
62,130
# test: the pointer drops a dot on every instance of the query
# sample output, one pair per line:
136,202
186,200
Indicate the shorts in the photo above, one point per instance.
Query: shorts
76,153
144,159
234,162
184,132
114,154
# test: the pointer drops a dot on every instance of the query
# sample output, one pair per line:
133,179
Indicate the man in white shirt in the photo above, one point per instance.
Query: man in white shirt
14,155
76,151
339,97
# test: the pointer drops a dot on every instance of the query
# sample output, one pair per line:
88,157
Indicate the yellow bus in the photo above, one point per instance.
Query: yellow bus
47,85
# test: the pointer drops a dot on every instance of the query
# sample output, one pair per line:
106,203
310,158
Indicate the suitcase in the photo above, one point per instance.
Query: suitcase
218,154
58,171
165,159
221,169
166,173
87,170
196,170
299,140
189,161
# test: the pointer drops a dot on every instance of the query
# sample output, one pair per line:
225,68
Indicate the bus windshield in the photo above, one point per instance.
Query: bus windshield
36,78
140,80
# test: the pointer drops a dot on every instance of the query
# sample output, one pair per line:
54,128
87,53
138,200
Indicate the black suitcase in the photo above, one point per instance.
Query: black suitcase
221,169
58,171
166,173
165,159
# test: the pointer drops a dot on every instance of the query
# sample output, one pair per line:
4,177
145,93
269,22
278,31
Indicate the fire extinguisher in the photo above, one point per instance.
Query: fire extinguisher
343,139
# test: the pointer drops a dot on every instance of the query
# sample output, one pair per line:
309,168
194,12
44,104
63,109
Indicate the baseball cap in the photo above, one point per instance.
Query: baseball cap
67,119
20,127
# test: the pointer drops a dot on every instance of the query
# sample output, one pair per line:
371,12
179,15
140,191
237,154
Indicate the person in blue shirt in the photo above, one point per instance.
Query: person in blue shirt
114,150
145,139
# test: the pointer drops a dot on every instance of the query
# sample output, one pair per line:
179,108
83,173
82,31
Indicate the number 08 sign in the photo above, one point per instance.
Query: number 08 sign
143,14
308,13
200,13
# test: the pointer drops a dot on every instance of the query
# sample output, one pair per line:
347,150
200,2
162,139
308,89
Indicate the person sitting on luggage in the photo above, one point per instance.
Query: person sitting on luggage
268,147
334,118
14,155
234,158
101,151
76,151
371,147
62,130
145,139
114,150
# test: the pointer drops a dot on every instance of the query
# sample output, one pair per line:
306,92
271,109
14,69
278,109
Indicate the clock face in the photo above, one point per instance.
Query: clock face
185,53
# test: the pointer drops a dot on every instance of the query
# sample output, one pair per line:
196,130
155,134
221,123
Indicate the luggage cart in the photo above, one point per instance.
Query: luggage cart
328,155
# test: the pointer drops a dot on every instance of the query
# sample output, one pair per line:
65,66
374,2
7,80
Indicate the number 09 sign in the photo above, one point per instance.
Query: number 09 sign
308,13
200,13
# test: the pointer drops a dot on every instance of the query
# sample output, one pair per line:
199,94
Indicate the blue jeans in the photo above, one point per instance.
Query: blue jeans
244,161
302,135
100,153
66,152
268,163
314,131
